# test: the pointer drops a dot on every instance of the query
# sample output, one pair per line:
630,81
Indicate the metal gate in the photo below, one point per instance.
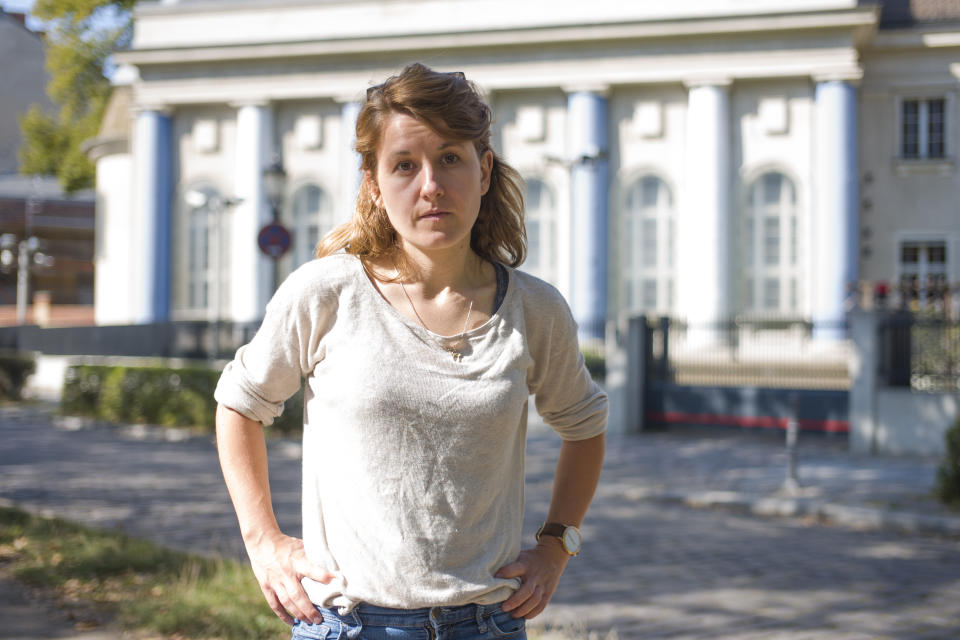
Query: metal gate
746,372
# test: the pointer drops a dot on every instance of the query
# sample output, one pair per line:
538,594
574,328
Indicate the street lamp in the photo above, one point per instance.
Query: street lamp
27,254
274,239
275,183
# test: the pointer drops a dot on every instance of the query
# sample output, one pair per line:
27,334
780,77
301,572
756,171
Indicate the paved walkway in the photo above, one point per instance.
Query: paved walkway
866,553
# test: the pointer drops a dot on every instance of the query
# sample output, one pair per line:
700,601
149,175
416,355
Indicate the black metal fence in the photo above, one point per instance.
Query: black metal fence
920,351
195,340
775,352
932,297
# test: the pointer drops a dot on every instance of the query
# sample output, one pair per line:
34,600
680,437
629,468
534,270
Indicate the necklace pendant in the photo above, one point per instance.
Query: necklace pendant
457,356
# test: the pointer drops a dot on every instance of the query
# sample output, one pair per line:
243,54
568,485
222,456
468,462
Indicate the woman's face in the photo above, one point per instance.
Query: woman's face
430,186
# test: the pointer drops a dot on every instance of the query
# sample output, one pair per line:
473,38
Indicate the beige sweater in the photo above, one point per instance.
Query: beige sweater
413,464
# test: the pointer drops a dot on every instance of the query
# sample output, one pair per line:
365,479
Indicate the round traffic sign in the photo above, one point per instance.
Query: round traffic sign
274,240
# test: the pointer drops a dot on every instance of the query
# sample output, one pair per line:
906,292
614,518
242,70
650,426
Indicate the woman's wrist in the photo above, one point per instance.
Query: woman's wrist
259,537
554,547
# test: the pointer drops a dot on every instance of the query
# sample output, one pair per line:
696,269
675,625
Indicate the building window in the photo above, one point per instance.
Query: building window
541,231
198,261
770,241
923,129
649,246
207,250
311,215
923,270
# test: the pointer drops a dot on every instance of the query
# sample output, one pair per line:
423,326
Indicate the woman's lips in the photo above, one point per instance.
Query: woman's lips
434,215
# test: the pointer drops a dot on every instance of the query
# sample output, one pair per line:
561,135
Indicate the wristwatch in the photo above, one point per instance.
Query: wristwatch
568,534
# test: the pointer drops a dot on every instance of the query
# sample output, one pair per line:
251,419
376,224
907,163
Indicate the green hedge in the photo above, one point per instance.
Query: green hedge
181,397
948,475
14,371
596,364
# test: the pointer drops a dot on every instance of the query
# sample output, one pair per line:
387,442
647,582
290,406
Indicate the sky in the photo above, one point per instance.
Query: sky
24,6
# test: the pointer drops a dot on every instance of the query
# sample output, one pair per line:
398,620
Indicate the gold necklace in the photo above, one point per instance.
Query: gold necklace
454,349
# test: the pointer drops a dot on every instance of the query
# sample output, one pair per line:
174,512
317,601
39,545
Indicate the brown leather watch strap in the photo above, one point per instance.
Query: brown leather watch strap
554,529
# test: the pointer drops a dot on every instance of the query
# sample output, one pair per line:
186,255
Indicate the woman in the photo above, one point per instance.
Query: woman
420,345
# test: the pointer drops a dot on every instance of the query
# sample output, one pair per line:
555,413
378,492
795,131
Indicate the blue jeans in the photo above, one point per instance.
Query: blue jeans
367,622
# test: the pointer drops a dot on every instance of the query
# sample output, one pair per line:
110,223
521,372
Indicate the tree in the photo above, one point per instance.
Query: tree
80,38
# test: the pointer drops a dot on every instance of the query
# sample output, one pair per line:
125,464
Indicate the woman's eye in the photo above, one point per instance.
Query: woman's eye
404,165
450,158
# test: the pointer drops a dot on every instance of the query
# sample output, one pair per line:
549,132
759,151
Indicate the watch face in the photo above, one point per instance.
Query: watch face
572,539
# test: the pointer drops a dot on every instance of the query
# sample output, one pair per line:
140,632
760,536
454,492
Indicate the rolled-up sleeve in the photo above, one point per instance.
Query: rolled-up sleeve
565,394
268,370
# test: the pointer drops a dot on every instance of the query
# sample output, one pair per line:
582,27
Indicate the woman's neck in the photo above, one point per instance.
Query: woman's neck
454,269
445,292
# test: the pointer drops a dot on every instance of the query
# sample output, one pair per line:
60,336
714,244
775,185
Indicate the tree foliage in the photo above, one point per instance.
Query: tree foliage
80,38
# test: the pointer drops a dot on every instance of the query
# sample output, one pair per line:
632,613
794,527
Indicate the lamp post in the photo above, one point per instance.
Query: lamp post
275,183
27,254
274,239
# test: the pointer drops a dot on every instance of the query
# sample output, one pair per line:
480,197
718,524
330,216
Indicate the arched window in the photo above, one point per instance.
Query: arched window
770,237
649,253
311,216
206,249
540,217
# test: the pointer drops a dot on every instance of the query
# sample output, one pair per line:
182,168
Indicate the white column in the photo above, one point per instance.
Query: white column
251,272
115,284
350,162
704,227
835,223
150,271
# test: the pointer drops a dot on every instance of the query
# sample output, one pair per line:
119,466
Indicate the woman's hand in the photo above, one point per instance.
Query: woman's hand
539,570
279,563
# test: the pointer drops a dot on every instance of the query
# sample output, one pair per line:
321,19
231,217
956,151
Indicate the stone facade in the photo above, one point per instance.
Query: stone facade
700,158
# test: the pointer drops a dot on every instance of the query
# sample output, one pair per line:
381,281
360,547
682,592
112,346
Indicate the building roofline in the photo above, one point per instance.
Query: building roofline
861,21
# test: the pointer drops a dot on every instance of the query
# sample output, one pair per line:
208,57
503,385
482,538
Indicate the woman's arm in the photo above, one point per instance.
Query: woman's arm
279,561
540,568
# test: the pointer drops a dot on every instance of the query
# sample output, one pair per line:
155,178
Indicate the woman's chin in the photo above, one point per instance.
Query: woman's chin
436,244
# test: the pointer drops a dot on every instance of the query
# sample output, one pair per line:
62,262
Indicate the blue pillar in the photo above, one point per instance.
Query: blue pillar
835,224
154,186
587,114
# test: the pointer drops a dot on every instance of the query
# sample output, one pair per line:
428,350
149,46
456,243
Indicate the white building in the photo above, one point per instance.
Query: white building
698,158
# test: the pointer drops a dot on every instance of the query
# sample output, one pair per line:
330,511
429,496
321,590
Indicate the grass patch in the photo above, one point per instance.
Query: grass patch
99,576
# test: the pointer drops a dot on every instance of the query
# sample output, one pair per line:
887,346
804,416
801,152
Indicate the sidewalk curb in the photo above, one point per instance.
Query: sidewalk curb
798,507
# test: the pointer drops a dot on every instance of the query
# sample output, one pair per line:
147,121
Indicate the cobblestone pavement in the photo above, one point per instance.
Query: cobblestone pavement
651,567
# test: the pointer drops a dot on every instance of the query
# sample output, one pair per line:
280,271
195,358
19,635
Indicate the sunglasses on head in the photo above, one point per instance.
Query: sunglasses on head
374,90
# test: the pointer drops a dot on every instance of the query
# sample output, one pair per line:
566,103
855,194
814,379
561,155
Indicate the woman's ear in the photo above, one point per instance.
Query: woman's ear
486,169
373,188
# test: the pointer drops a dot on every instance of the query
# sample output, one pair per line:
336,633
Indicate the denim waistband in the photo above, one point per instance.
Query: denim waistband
384,616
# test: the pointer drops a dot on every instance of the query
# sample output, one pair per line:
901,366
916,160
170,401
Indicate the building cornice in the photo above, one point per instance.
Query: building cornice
626,66
917,38
860,24
100,147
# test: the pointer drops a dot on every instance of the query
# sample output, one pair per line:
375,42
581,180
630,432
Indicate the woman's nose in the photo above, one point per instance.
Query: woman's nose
431,188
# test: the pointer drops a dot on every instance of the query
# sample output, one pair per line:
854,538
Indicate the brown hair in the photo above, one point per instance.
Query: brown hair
450,105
